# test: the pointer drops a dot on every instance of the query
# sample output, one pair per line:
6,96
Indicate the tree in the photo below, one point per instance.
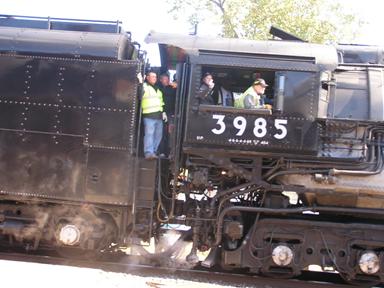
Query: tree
316,21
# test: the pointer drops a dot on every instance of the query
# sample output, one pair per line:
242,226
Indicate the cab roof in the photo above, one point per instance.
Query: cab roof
175,48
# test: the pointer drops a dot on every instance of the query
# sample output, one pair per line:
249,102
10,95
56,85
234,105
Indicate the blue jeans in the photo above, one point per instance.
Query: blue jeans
153,131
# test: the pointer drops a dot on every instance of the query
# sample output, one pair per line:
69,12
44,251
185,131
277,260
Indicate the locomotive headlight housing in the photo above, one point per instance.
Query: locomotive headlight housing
369,262
282,255
69,235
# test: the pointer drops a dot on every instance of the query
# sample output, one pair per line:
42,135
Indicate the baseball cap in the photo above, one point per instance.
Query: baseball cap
260,81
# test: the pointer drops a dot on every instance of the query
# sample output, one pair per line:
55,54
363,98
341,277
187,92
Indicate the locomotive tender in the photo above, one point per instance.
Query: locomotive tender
269,191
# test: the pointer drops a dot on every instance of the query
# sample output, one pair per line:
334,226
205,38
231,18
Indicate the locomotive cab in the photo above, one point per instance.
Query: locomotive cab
297,76
282,187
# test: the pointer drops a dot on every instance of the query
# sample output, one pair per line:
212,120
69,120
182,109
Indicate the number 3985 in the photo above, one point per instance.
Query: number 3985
259,126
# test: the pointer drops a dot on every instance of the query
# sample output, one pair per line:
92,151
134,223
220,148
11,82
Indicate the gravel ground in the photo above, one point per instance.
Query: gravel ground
23,274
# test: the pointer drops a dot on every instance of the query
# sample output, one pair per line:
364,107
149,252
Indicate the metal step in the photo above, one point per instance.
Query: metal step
146,183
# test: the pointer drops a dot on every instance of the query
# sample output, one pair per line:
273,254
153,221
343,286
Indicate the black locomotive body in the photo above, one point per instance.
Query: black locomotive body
68,102
292,187
271,191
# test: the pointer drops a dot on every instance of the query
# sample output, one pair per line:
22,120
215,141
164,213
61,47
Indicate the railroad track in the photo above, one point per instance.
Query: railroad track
126,264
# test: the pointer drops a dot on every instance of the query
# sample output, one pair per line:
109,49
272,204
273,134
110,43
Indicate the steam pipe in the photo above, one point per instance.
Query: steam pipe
297,172
378,168
231,190
379,165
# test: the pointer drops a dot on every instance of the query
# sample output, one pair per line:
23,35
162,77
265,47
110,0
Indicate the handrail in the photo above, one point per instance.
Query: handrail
48,18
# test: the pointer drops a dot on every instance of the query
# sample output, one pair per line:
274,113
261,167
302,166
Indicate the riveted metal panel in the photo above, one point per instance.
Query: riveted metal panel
376,94
109,176
301,94
34,165
113,86
109,130
10,115
79,114
351,97
13,78
52,95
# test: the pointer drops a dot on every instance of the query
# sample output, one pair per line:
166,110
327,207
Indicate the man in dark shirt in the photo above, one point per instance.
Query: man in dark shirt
212,94
206,94
169,97
169,94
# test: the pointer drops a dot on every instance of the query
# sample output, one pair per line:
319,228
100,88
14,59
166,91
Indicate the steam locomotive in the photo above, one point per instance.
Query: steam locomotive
271,192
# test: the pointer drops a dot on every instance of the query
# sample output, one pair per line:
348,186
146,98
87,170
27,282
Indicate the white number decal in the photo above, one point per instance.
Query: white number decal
219,122
260,129
279,125
240,123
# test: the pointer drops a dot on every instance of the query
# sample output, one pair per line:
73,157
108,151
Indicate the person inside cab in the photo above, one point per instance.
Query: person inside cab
253,97
207,93
168,89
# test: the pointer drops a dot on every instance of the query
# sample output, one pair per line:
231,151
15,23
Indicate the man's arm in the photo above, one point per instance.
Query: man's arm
204,95
248,102
204,90
140,88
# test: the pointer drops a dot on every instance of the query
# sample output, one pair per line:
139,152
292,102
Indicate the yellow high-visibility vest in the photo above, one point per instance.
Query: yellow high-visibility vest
239,102
152,100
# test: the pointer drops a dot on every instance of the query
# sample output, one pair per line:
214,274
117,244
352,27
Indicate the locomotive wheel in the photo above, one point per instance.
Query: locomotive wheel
87,254
103,234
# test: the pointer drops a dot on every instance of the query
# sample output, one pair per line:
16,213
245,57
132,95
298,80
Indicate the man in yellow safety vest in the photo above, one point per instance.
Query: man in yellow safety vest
253,96
152,108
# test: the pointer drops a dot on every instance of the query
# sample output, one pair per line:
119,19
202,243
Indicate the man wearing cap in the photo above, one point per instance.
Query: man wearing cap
206,94
253,96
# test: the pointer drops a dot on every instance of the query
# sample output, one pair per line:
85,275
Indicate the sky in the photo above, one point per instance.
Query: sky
142,16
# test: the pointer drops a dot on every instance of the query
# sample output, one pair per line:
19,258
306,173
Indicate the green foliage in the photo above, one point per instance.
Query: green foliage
316,21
